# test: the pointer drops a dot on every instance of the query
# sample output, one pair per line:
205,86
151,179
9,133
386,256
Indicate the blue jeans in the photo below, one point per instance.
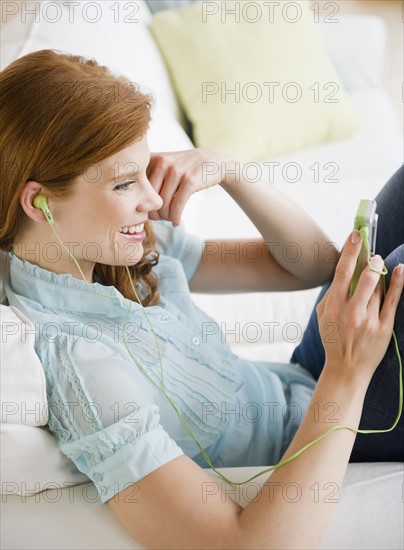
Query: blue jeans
382,397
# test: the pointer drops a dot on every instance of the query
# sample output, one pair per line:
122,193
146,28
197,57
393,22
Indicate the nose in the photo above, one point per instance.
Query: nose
150,199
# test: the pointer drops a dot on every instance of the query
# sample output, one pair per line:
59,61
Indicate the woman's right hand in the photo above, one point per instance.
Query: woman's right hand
355,331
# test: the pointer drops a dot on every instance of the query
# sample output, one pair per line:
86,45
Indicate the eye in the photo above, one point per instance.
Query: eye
124,186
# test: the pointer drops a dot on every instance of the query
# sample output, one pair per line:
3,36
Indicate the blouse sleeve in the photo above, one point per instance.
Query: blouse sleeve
177,243
102,414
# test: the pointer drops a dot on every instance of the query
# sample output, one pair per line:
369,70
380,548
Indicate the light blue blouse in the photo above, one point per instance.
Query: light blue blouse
109,417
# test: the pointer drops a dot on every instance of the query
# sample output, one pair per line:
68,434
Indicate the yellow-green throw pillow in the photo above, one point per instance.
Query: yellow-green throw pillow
253,78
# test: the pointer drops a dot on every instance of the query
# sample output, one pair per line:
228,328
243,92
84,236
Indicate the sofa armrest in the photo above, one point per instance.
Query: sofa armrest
357,46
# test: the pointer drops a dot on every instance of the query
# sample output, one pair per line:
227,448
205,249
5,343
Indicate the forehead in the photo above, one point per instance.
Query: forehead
133,158
127,162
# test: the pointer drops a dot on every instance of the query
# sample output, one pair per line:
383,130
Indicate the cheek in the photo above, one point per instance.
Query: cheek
84,227
78,212
102,219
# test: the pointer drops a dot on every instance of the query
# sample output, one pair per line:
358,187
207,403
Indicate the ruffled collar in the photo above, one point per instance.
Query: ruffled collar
62,291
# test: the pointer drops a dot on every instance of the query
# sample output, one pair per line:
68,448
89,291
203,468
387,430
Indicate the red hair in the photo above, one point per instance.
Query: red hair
61,114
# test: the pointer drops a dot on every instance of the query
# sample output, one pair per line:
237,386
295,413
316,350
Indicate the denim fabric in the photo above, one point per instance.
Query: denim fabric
382,398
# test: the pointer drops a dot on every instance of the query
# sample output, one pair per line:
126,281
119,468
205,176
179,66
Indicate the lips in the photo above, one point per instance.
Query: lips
135,236
132,229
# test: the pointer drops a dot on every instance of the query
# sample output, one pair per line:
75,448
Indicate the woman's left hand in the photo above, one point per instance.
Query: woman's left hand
177,175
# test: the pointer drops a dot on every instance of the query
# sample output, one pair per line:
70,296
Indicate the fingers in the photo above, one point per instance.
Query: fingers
321,305
165,180
373,308
172,184
181,197
368,282
393,296
168,190
156,172
175,176
175,193
345,269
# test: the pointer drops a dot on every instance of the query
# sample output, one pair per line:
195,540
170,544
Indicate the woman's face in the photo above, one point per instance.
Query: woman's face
102,220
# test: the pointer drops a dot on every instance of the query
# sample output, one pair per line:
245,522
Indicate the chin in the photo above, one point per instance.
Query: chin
125,253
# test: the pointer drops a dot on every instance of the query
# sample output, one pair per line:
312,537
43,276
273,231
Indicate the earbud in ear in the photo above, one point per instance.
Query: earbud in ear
41,202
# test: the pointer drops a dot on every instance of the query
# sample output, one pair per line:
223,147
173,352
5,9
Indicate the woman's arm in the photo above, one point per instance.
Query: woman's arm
300,255
296,242
180,506
252,266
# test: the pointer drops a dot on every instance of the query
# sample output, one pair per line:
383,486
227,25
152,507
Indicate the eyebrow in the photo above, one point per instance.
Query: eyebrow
117,178
124,175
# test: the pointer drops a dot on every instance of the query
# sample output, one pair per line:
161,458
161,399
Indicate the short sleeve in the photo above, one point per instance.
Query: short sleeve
103,416
177,243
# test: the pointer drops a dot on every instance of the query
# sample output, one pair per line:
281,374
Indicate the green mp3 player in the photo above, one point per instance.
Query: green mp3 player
365,217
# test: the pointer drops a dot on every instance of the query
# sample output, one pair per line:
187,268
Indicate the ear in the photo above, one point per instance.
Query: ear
30,190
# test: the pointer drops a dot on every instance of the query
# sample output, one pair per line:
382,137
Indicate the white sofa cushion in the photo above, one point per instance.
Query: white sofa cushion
114,33
165,133
357,47
368,514
30,460
23,386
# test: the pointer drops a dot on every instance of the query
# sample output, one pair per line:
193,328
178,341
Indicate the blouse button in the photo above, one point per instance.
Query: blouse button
165,318
98,477
226,362
195,341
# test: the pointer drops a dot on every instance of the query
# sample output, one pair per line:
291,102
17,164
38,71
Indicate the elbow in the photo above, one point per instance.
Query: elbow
323,269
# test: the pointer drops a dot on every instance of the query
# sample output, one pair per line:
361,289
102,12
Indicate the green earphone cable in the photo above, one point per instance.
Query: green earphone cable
162,389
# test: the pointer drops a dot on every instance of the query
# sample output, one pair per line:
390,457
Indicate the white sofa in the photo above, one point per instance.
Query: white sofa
369,513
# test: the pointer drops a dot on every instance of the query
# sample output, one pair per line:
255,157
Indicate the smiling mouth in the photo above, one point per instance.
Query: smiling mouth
132,229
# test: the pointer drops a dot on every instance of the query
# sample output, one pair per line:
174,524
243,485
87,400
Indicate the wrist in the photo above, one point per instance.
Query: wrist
232,173
352,379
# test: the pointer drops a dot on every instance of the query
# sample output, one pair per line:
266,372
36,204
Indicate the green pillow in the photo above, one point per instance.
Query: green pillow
253,78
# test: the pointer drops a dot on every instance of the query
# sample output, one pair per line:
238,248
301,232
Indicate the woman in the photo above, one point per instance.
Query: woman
75,133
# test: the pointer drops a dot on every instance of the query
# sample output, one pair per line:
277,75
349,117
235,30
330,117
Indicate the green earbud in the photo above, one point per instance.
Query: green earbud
41,202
